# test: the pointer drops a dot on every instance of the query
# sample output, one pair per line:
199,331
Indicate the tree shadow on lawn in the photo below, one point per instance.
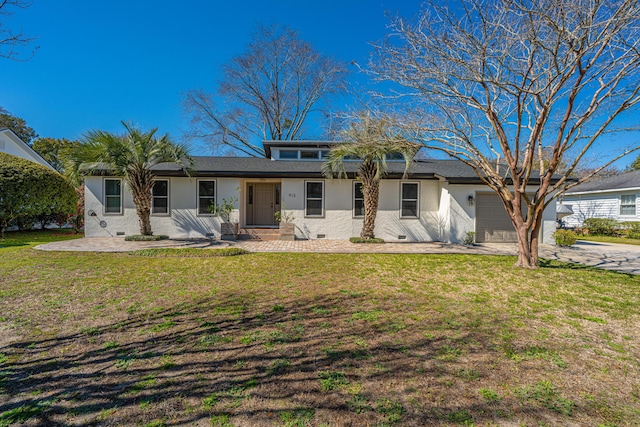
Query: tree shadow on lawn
338,360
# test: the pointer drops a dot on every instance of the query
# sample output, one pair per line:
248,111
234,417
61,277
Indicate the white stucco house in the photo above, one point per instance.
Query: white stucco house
440,200
614,197
10,143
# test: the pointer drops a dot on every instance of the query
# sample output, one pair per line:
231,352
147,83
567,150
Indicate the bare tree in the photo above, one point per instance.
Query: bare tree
267,92
11,42
501,83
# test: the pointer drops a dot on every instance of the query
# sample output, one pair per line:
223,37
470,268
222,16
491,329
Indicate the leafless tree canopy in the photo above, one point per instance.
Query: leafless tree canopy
267,92
530,85
11,41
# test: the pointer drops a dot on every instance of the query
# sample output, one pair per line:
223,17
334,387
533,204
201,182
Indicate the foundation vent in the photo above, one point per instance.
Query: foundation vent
402,237
320,236
119,233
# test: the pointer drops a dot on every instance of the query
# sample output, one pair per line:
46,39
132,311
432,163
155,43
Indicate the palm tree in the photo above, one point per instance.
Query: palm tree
132,156
372,142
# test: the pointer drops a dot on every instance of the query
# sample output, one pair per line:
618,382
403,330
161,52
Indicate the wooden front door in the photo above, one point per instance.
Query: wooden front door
264,204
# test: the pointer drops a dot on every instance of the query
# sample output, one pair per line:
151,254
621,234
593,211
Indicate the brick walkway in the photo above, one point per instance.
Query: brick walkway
345,246
115,244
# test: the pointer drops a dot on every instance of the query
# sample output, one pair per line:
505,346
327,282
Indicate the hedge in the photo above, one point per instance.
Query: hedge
611,227
29,191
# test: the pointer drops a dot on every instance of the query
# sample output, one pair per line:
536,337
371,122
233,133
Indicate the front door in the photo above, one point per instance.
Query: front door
264,204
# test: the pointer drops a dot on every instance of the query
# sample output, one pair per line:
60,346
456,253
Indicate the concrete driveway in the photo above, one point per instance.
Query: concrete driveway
623,258
609,256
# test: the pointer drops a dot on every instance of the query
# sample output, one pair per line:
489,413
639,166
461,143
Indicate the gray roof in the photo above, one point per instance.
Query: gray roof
251,167
622,182
454,171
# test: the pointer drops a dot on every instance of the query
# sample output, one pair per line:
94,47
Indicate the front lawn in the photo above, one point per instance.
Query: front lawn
314,340
609,239
36,237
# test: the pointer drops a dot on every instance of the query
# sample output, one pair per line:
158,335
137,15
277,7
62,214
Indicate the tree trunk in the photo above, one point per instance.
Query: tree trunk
528,239
144,220
371,192
142,200
526,257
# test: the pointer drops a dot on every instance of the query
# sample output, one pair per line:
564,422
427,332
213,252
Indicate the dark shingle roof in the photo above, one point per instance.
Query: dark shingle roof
250,167
453,171
623,181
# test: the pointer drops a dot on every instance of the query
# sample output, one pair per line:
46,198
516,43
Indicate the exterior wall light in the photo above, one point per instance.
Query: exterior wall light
471,200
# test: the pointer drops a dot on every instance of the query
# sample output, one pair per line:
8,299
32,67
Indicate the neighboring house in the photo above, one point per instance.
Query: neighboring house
440,200
10,143
615,197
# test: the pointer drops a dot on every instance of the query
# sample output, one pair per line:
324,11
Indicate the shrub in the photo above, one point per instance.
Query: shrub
363,240
143,238
469,238
565,237
601,226
189,252
631,229
30,190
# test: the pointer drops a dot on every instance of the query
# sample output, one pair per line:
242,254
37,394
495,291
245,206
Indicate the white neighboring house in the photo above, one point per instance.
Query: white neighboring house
440,200
615,197
10,143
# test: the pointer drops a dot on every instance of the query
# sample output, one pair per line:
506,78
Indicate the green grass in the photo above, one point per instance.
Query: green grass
34,238
548,395
609,239
313,339
188,252
332,380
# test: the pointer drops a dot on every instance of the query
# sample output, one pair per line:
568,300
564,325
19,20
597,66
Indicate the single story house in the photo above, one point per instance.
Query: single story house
439,200
11,143
615,197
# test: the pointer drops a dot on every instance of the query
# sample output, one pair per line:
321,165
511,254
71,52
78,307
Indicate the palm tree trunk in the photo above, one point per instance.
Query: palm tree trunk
141,193
371,192
371,195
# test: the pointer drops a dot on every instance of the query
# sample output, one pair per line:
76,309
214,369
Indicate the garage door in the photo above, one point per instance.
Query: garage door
492,221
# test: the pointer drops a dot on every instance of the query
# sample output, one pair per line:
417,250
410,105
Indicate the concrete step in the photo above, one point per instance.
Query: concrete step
258,234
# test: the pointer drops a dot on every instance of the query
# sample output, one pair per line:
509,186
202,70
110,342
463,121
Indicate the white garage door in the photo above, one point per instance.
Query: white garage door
493,224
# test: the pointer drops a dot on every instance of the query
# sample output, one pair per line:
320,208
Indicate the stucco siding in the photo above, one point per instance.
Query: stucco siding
445,213
338,221
462,215
183,221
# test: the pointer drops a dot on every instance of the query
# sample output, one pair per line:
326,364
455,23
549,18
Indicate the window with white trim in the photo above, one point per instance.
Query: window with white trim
160,197
628,204
314,198
409,200
358,199
206,196
112,196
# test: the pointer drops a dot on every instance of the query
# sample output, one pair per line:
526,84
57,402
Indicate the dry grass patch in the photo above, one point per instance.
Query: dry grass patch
314,339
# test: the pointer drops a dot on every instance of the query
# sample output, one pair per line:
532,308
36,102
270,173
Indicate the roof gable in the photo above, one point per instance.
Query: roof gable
11,143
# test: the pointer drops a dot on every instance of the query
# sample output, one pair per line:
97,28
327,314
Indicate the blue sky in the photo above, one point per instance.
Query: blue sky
102,62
